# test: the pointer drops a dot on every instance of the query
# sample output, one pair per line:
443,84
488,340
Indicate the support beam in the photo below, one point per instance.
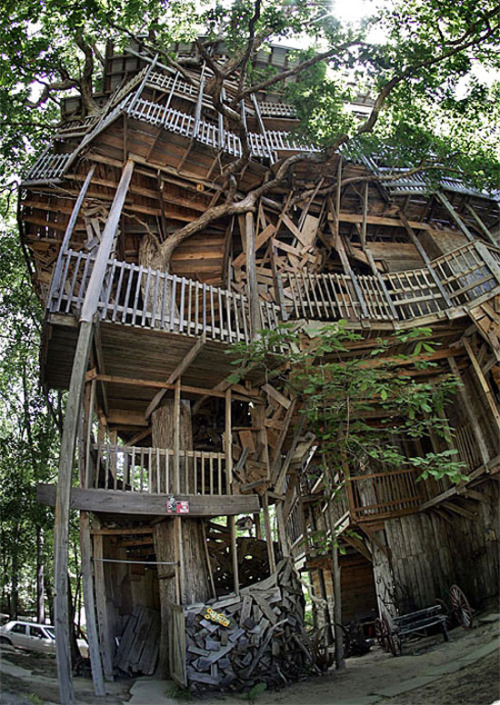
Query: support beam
480,224
69,231
253,292
147,504
484,384
68,441
90,607
179,370
423,254
455,217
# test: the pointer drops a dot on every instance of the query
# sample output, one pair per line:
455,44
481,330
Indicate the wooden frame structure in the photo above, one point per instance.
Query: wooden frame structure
129,339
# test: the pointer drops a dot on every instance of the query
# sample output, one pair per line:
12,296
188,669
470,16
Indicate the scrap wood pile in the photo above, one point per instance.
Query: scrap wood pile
253,638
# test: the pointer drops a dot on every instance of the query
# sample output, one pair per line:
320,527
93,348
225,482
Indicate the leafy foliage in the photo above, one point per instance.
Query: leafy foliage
360,407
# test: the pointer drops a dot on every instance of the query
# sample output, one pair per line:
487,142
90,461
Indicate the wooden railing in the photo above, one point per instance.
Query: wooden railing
467,274
139,296
383,494
154,470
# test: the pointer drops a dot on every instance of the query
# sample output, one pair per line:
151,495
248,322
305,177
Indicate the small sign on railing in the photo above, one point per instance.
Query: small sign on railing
177,506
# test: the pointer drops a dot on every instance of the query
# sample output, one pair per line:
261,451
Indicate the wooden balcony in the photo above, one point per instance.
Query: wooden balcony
468,276
157,470
133,295
383,495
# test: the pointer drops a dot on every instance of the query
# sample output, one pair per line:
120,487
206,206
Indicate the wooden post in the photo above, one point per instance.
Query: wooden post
476,428
69,231
89,602
269,535
234,554
228,434
285,547
337,592
365,213
253,292
103,625
68,441
177,430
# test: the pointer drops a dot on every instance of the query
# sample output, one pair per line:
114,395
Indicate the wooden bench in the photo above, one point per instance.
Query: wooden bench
418,623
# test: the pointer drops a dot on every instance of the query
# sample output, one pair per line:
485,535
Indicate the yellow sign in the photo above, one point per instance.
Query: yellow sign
216,617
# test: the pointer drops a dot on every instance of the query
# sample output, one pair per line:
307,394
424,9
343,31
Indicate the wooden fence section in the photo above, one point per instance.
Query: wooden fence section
153,470
383,494
48,166
139,296
414,293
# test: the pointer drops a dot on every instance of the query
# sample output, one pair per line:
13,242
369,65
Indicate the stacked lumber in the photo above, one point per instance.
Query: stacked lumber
263,642
137,653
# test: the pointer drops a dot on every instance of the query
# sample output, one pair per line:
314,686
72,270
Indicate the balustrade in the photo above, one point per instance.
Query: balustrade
154,470
139,296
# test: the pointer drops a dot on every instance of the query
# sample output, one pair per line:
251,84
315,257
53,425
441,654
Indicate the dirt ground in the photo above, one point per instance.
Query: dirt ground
30,679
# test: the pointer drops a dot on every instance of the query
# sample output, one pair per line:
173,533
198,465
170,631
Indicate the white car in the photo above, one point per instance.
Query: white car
35,637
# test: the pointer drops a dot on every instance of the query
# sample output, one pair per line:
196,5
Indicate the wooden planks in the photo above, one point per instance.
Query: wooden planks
113,502
263,642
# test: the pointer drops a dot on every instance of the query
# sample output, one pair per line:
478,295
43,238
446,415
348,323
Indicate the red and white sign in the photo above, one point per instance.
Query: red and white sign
177,506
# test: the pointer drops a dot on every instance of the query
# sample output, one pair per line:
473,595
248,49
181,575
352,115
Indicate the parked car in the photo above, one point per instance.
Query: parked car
34,637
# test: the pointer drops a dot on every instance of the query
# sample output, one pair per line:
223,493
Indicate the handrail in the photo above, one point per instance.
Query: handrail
153,470
467,274
140,296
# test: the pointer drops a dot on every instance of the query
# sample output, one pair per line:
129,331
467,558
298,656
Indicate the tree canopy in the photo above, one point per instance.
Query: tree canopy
431,70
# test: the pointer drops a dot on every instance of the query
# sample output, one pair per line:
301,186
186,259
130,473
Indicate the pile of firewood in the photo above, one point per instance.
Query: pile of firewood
236,642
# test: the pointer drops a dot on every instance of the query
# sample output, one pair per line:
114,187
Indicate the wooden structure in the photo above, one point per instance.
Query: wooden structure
166,443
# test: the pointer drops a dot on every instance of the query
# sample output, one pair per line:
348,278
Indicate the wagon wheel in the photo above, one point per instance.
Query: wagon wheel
444,609
460,607
387,640
378,625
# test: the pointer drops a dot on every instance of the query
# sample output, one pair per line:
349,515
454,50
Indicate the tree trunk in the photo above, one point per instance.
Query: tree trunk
187,583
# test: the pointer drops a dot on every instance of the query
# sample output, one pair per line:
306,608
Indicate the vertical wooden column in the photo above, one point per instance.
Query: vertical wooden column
177,431
234,554
228,435
253,292
469,410
285,546
68,441
269,535
90,608
104,630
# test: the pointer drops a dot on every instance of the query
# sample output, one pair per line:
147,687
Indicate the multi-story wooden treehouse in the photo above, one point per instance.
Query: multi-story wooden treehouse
196,493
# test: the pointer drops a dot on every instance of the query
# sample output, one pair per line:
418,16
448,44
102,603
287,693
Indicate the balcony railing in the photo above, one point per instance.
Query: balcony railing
139,296
466,274
383,494
154,470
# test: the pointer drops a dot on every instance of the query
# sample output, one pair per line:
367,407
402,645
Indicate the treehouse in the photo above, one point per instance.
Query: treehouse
198,497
